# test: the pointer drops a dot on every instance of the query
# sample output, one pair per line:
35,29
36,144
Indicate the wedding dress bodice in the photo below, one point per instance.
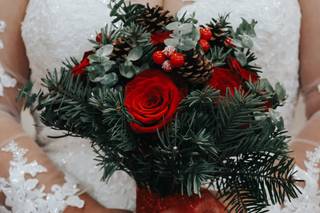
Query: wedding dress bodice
55,30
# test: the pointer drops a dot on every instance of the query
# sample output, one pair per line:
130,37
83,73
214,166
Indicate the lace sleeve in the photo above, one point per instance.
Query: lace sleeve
309,200
23,192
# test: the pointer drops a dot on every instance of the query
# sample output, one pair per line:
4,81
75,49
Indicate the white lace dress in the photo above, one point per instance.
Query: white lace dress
55,30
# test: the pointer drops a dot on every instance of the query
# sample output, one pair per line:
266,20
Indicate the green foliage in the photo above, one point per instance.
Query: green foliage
185,36
218,55
123,12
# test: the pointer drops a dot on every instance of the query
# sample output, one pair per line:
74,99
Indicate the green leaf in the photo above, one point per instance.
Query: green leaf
127,70
173,26
281,92
246,41
135,54
110,79
185,28
246,28
174,42
94,58
264,84
195,34
105,50
107,64
187,44
241,58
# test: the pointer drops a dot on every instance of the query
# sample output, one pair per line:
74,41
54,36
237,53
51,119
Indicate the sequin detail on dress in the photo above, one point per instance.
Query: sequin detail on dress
25,195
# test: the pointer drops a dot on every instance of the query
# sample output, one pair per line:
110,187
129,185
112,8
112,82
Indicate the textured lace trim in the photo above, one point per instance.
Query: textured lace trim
25,195
5,79
309,201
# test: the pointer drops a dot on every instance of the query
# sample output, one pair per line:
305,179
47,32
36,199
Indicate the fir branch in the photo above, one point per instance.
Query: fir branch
125,13
258,179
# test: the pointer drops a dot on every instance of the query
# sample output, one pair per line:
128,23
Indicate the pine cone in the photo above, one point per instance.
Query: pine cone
154,18
121,49
220,28
197,69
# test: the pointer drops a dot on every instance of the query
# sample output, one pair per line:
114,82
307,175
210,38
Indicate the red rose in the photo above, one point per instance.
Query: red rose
80,69
152,99
159,37
223,78
244,73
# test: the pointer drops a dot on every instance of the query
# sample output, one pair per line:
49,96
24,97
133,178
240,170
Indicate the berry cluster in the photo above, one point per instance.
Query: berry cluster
205,37
169,58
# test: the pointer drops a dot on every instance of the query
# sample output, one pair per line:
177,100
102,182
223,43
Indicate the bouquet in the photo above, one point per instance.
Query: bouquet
180,107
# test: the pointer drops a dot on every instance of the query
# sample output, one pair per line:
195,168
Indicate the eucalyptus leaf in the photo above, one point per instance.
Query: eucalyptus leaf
135,54
105,50
246,41
195,34
173,26
127,71
136,69
185,28
94,58
108,65
187,44
174,42
110,79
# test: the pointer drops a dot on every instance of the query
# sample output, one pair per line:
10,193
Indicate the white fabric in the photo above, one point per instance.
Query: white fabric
23,193
5,79
55,30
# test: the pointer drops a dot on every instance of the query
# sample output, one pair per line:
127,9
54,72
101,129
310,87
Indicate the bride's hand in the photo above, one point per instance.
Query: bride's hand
175,5
150,2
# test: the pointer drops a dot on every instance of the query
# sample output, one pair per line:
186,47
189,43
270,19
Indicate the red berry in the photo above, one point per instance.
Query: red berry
204,45
206,34
177,59
99,38
229,42
159,57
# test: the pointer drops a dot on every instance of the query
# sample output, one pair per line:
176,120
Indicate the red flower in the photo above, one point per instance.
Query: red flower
159,37
80,69
152,99
244,73
223,78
